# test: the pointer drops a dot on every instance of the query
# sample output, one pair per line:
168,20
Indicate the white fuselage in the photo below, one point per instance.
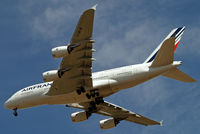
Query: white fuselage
107,82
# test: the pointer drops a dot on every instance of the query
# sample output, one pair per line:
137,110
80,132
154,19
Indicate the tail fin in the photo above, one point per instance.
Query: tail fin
165,55
177,33
178,75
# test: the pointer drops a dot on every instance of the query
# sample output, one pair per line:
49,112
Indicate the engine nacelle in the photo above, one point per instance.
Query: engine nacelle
50,75
108,123
104,83
80,116
59,52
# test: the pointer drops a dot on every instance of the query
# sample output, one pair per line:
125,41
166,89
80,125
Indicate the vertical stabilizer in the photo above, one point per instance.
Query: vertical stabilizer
165,54
177,33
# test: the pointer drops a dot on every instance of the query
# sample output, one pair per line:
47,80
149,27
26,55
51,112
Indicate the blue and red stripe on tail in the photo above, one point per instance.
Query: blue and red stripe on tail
177,33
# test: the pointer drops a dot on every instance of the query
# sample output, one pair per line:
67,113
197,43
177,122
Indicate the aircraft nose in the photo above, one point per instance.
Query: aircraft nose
8,104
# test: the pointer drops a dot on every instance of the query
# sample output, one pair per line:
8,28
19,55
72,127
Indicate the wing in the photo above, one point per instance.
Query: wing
117,112
78,64
84,27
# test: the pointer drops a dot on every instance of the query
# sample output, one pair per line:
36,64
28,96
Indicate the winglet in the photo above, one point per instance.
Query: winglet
94,7
161,123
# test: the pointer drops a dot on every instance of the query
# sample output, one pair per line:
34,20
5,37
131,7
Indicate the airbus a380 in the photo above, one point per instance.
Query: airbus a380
74,84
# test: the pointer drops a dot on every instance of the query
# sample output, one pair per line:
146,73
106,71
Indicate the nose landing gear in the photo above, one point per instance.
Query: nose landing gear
15,112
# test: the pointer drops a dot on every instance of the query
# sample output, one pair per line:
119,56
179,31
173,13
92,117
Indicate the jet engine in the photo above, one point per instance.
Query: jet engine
80,116
59,52
108,123
54,74
50,75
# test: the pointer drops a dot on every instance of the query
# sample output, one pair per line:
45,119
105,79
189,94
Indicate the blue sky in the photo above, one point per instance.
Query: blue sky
126,32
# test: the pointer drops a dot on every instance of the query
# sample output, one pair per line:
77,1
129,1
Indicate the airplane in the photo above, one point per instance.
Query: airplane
74,85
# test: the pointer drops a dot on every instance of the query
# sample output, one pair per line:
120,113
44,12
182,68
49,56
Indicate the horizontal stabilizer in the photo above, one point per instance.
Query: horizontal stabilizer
165,55
178,75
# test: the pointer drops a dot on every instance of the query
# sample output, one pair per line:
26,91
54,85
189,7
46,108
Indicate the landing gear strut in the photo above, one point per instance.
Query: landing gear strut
92,107
99,100
15,112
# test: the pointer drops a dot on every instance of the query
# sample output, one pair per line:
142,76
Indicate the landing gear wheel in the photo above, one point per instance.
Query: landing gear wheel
82,89
92,93
15,112
102,101
78,92
92,108
88,96
99,100
97,93
93,105
95,108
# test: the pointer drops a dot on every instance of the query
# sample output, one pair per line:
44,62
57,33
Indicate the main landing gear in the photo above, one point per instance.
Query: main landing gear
95,94
15,112
92,108
96,101
99,100
92,94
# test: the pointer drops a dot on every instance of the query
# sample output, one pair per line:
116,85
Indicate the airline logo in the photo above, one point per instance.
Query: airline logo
177,33
37,86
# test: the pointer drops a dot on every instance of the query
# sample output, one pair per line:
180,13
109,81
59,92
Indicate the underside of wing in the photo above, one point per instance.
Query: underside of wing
84,27
76,67
117,112
79,74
